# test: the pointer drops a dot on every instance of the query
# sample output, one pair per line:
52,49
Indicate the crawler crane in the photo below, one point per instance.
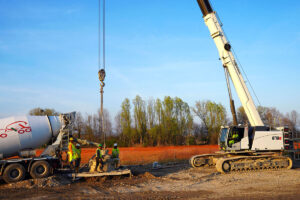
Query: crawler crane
257,146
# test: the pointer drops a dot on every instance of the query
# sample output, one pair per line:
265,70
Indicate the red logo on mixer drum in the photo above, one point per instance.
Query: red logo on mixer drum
19,127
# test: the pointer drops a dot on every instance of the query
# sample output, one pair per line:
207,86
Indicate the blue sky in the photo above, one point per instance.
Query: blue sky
48,53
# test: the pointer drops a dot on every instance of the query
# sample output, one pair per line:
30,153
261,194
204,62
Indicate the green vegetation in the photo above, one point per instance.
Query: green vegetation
170,121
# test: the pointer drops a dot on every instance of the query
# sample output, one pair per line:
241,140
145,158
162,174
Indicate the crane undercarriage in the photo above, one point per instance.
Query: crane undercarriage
226,162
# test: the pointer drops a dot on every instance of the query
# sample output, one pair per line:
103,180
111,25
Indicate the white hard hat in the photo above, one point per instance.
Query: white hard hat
77,145
115,144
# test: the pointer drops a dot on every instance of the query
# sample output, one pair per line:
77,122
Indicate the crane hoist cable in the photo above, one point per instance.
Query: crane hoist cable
101,35
101,72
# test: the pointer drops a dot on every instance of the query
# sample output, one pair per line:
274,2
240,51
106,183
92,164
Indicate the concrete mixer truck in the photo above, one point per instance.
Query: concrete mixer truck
21,135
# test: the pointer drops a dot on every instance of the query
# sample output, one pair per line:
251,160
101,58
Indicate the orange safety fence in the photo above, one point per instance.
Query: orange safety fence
142,155
297,145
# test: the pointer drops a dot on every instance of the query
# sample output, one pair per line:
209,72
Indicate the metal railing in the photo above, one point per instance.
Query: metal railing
295,136
295,141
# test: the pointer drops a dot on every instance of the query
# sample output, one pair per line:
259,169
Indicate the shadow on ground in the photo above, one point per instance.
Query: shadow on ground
162,170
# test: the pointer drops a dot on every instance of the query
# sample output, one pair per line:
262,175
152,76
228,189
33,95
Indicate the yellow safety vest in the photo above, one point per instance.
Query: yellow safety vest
235,135
100,153
76,153
115,153
70,156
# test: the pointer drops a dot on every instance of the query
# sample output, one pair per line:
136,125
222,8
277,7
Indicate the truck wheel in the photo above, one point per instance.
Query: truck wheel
14,173
40,169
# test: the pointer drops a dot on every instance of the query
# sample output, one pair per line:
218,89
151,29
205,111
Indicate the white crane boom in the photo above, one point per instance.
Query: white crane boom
229,62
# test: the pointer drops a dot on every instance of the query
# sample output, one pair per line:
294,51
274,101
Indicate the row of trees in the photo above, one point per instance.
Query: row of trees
154,123
272,117
170,121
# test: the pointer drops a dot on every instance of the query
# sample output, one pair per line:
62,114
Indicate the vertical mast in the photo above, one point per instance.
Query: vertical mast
229,62
101,72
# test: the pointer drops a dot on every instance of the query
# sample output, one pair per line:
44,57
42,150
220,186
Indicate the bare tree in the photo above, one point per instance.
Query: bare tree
79,124
270,116
292,119
96,124
200,133
107,123
88,129
294,116
118,125
201,111
241,116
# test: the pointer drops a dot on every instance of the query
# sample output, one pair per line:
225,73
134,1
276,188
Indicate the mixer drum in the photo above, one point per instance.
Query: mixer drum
20,133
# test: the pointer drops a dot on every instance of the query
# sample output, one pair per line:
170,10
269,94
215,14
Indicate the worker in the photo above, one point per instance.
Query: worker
99,158
71,148
115,156
77,157
234,138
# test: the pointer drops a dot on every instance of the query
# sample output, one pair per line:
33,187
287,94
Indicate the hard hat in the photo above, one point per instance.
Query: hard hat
71,139
77,145
100,145
115,144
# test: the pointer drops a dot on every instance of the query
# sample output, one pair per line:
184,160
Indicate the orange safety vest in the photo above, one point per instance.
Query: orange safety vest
71,148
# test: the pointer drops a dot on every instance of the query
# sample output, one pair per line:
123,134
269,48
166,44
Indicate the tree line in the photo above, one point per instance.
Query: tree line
169,121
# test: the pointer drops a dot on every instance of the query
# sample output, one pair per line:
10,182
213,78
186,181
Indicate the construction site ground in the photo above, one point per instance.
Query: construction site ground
171,181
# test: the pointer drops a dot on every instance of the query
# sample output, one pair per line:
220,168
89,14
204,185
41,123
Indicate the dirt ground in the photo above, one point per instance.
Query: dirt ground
172,181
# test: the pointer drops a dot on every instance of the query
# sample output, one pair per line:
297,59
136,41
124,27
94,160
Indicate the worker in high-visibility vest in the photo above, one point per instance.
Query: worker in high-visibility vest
234,138
77,157
115,156
71,148
99,158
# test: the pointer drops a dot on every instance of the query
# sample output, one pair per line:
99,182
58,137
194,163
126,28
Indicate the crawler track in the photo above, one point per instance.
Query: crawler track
248,163
226,162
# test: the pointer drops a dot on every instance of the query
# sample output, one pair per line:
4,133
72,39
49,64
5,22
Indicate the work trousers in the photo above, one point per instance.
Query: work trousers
77,162
99,161
116,162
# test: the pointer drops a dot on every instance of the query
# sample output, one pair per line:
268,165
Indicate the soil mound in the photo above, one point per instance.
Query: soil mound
52,181
147,175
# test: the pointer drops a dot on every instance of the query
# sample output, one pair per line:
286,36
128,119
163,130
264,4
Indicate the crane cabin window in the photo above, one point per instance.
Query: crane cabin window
223,134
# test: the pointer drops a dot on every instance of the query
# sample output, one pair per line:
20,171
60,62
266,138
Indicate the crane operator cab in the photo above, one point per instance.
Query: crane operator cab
236,138
259,138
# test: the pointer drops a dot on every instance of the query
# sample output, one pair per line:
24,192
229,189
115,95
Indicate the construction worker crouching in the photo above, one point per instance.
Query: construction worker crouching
77,157
71,148
99,158
115,156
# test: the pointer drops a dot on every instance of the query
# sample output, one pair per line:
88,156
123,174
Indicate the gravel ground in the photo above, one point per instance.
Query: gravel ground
173,181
